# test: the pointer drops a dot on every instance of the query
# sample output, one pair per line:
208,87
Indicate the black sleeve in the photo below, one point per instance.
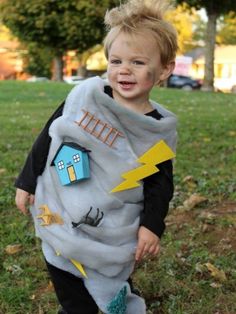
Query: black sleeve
36,160
158,191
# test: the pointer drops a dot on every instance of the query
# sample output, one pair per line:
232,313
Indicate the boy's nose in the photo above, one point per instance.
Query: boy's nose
125,69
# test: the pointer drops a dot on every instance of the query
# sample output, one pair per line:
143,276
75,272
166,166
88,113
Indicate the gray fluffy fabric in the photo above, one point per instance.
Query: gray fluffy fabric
106,251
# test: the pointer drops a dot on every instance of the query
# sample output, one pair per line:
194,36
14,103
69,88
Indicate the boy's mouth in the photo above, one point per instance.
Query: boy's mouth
126,84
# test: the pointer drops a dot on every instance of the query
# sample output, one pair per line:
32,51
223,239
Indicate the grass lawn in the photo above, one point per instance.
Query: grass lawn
196,270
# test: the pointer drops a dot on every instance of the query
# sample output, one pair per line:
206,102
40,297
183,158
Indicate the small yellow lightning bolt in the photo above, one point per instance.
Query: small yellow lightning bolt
157,154
76,264
79,267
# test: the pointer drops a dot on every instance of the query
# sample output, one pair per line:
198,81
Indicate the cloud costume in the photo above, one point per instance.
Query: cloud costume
106,250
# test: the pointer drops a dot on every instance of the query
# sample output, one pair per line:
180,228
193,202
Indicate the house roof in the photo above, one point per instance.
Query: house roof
69,144
196,53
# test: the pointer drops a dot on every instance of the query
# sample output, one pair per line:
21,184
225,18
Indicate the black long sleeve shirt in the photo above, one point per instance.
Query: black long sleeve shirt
158,188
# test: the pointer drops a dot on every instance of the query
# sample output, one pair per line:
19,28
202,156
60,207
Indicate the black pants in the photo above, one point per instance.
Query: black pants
71,292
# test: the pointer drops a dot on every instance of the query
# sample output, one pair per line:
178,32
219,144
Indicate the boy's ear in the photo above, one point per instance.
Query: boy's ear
167,70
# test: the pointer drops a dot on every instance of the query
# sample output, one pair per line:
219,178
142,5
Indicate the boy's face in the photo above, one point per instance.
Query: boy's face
134,67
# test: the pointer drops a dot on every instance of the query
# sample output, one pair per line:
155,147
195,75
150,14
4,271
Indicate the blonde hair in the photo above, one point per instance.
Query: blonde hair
138,16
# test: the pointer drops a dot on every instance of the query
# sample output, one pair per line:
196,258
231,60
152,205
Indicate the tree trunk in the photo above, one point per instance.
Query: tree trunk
57,68
208,84
82,71
83,58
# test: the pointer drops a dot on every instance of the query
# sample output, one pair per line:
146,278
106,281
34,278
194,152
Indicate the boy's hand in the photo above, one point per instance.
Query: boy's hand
148,243
23,199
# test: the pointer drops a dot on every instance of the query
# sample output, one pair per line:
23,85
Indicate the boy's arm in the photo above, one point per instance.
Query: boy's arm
22,199
158,191
34,165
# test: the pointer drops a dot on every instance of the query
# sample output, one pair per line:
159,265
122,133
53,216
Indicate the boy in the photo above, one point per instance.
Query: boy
92,231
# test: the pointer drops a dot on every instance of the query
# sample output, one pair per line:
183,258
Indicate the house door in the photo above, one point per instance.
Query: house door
71,173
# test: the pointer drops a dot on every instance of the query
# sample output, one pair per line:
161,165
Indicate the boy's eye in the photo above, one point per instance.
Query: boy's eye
138,62
115,61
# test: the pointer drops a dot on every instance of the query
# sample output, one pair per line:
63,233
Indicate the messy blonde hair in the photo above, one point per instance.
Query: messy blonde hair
138,17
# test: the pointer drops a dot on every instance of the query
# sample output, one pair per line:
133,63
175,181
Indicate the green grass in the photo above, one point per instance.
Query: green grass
178,282
207,134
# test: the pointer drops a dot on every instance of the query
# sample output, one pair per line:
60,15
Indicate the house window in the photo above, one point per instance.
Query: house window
61,165
76,158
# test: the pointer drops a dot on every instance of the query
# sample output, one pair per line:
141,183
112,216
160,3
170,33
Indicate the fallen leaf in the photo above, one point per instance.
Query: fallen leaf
44,290
215,272
207,139
13,249
2,170
199,268
50,286
193,201
205,227
216,285
187,179
35,130
207,217
14,269
232,133
190,182
41,94
32,297
40,310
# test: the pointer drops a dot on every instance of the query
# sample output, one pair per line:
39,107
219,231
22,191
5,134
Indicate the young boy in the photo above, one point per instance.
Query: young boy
94,230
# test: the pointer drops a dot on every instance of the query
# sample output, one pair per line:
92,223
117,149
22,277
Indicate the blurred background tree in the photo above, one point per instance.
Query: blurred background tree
37,61
189,25
57,25
49,28
214,9
227,29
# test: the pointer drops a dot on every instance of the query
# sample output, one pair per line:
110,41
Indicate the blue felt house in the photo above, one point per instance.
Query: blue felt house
71,162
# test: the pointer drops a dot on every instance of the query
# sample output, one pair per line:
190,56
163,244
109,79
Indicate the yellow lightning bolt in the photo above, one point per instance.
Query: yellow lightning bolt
158,153
79,267
76,264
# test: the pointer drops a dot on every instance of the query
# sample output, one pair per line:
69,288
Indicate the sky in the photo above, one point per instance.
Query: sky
203,15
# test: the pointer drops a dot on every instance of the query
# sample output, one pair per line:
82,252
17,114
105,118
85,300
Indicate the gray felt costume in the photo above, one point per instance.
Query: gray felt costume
106,251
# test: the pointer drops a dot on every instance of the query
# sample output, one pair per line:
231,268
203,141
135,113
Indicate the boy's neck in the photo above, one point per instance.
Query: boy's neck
142,106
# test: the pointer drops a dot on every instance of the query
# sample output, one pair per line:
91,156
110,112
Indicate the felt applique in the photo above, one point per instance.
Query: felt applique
101,130
76,264
88,220
79,267
49,217
158,153
72,163
118,304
